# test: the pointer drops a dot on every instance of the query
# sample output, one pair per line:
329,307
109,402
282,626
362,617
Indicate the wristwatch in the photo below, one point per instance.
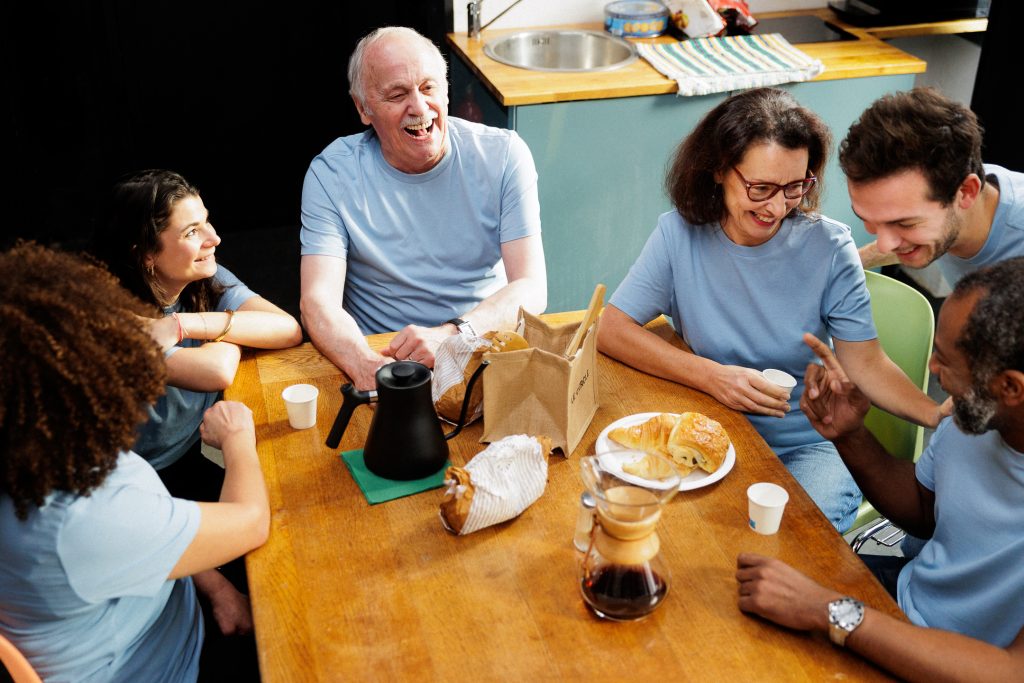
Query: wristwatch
461,325
844,615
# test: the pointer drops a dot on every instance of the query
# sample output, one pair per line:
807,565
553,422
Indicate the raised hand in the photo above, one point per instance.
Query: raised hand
833,404
747,390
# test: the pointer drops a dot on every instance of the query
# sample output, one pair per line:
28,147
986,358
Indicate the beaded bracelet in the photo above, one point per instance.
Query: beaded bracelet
227,328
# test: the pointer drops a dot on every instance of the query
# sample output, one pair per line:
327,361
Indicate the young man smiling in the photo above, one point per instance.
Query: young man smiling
425,223
962,593
915,176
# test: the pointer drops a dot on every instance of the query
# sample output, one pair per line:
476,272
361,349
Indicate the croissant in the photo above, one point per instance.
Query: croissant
699,441
649,467
652,436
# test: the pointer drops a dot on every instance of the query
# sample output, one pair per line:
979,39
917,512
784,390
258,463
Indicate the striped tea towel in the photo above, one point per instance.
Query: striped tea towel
707,65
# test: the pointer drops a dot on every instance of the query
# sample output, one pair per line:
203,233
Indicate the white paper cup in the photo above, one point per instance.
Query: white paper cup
765,504
780,378
300,400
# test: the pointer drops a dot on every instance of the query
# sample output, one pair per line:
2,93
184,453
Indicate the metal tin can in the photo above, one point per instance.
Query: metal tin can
633,19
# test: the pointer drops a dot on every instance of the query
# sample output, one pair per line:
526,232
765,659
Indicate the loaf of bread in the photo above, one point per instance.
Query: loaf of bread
456,360
497,484
689,440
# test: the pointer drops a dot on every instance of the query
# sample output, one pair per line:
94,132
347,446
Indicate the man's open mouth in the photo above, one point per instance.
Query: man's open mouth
420,130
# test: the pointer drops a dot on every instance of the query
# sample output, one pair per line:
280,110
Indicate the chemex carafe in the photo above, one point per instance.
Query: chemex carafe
405,440
622,576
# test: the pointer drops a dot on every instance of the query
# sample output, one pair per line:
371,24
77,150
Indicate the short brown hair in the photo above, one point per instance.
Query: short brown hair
78,370
917,130
725,134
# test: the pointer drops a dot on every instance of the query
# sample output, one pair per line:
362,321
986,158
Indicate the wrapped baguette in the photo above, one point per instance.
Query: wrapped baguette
497,484
457,358
689,440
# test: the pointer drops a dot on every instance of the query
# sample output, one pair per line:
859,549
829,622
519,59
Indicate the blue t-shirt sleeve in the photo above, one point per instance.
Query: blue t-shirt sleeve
125,541
235,292
520,205
646,292
846,306
323,229
925,467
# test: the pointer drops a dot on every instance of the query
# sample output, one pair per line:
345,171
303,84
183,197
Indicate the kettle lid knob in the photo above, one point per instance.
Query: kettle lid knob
402,374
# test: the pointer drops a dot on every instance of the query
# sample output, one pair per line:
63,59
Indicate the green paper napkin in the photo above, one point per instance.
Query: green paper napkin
378,489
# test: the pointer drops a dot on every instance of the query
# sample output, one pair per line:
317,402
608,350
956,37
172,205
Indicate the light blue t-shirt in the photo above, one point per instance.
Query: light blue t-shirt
173,425
420,248
84,593
969,577
750,306
1006,238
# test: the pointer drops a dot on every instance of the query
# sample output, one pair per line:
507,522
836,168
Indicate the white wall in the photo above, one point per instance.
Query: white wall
554,12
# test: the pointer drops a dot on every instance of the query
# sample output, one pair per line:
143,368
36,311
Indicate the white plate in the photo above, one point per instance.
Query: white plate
613,456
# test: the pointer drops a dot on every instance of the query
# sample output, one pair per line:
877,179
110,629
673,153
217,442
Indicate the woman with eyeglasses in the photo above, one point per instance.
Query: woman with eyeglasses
744,267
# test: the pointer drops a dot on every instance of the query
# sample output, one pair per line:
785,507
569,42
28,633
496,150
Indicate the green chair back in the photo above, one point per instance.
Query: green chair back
906,327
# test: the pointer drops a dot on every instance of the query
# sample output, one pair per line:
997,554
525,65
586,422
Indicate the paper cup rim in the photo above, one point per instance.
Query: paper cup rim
774,376
779,495
306,393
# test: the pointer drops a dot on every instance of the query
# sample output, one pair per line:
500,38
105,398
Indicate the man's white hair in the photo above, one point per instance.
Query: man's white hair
355,62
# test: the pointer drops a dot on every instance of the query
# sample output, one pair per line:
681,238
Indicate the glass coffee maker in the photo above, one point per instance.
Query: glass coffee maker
621,575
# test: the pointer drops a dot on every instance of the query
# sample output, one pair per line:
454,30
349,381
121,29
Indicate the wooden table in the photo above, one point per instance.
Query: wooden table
347,591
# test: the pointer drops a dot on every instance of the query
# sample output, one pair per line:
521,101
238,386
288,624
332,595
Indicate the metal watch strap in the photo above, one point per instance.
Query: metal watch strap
844,616
463,326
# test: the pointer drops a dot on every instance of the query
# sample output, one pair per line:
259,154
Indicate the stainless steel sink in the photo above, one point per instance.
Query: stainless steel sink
561,51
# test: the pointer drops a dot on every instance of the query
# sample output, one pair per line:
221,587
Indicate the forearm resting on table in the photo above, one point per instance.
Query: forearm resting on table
210,367
500,311
260,329
622,338
916,653
870,257
336,335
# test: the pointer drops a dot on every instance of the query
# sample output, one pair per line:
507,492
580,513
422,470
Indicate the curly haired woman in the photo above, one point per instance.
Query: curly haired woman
97,555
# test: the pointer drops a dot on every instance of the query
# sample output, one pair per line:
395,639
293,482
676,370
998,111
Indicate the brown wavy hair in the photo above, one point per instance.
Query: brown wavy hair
78,371
725,134
919,130
137,211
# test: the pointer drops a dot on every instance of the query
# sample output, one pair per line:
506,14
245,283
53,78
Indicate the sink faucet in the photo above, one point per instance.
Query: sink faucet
473,24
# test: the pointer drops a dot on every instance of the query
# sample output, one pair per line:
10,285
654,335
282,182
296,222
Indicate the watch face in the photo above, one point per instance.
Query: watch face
846,612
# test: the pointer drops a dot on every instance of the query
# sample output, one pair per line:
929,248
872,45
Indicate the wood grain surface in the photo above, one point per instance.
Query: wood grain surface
868,56
344,590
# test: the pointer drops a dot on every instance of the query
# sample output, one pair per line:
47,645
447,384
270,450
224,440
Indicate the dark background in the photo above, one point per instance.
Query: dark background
238,98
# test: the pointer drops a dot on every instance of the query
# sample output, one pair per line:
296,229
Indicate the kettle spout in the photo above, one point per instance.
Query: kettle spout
352,400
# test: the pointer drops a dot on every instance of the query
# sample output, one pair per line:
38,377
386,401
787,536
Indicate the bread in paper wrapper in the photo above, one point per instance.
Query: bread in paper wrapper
497,484
456,360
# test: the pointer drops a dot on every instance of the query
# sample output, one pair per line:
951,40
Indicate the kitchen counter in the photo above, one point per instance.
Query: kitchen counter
601,141
511,86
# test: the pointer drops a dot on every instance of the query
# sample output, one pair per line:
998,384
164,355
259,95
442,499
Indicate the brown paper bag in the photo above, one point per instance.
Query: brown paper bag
540,391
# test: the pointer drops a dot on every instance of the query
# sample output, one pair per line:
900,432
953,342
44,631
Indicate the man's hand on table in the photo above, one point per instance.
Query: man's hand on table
418,343
363,373
772,589
833,404
748,391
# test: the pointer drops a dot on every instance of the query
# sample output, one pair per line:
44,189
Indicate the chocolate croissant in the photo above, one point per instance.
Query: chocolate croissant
689,440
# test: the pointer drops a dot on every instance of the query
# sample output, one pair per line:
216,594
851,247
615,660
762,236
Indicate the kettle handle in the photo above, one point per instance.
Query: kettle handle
353,399
465,401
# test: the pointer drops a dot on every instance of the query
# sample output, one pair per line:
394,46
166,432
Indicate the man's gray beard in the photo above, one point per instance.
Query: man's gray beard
973,412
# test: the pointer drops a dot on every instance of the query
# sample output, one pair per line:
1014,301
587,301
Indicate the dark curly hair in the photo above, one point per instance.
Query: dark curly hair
78,372
916,130
138,210
725,134
993,338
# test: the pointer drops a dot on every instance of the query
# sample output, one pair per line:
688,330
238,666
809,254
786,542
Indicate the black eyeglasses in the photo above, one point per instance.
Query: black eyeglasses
759,192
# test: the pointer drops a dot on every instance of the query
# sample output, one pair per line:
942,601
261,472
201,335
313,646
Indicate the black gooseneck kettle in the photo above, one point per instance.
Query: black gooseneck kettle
405,440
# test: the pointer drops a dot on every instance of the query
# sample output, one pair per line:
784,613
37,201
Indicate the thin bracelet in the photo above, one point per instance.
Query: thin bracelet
181,328
227,328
